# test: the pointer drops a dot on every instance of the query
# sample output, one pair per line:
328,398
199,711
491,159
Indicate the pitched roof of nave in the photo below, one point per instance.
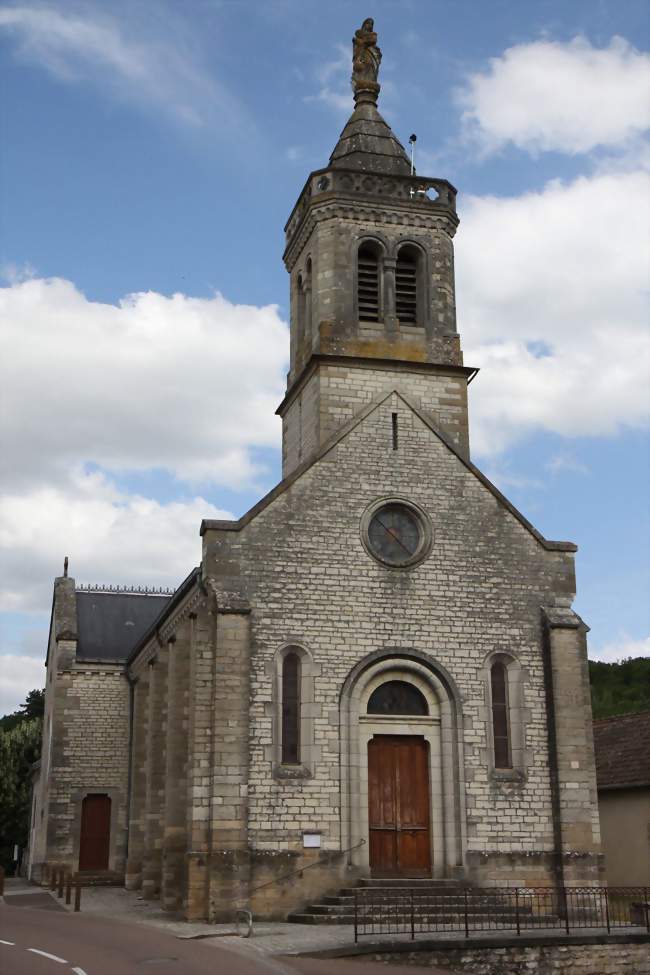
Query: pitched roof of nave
622,746
343,431
111,623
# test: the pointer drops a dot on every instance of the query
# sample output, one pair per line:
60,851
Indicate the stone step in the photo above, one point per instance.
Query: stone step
419,882
101,878
455,908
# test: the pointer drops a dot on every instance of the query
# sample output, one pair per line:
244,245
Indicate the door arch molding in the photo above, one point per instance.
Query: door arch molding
442,729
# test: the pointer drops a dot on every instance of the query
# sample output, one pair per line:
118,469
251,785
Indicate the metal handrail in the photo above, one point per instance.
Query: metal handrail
247,918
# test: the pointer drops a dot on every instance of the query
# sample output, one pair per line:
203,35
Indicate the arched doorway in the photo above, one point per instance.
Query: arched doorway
403,809
94,841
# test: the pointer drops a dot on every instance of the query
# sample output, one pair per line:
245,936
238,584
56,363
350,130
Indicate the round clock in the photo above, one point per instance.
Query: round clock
395,532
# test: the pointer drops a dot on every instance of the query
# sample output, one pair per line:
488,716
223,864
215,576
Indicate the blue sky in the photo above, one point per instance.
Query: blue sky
152,153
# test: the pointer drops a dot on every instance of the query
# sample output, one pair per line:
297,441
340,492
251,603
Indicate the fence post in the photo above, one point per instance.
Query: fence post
68,888
77,894
517,909
412,916
646,908
59,889
53,878
2,881
466,916
607,909
356,914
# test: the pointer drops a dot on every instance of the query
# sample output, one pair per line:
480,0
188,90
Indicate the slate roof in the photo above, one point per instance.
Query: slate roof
623,751
109,624
368,143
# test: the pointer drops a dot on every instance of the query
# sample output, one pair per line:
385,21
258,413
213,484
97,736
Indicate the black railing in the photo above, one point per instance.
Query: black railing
417,910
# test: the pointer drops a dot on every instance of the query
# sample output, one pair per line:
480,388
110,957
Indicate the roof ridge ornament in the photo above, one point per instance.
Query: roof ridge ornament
128,590
366,58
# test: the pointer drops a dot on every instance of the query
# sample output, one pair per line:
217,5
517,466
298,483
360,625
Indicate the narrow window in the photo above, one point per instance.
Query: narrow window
406,290
368,283
291,709
394,416
499,682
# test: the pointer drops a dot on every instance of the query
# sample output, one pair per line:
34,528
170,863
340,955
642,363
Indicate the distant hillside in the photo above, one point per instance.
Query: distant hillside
622,688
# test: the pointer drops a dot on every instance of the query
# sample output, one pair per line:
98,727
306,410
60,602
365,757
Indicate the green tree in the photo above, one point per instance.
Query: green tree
20,747
620,688
33,707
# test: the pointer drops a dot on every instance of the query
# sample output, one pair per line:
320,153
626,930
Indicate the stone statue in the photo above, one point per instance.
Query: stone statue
366,58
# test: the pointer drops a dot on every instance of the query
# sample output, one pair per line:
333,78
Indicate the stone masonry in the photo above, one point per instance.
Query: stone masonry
186,729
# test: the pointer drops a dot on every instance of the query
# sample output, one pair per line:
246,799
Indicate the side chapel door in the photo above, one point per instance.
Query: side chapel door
398,806
94,843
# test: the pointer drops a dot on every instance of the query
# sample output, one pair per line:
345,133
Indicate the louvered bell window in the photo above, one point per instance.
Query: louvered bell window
368,284
406,290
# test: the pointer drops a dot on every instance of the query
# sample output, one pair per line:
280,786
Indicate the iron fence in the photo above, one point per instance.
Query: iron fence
411,911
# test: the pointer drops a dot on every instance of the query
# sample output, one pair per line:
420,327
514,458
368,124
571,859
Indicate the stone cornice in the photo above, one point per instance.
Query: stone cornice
393,365
378,210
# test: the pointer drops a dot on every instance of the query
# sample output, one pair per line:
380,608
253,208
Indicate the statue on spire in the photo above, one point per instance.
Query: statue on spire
366,58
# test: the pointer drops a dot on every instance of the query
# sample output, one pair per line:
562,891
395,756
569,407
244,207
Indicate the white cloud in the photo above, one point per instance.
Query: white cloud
334,80
118,55
18,676
109,535
569,97
553,306
621,650
188,385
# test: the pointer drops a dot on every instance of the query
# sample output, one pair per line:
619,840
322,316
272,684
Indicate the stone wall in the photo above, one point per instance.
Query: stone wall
89,753
336,392
301,565
584,959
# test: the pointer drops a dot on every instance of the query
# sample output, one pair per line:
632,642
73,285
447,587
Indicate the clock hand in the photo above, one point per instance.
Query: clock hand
390,531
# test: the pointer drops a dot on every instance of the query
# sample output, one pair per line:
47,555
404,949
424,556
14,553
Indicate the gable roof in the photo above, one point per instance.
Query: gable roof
208,523
109,624
623,751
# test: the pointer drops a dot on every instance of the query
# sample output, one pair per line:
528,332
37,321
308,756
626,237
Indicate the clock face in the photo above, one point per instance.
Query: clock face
395,534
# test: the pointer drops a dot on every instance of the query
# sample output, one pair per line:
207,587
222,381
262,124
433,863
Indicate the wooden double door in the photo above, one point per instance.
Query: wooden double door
399,806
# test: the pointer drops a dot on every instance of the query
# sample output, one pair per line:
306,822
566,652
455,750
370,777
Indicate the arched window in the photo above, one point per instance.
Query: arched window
291,709
368,282
500,729
397,697
406,285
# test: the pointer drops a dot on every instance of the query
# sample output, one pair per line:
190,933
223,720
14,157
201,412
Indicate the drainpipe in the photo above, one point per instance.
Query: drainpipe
129,788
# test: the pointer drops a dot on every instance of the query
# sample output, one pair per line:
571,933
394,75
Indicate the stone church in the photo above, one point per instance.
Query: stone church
376,671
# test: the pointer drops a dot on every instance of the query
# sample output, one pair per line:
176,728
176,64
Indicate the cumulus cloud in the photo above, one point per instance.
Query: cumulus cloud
188,385
568,97
552,295
622,649
111,537
114,52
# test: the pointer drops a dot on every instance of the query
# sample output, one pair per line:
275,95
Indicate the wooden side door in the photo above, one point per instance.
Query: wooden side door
94,843
398,806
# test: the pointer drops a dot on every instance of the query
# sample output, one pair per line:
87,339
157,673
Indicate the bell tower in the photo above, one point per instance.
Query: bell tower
369,251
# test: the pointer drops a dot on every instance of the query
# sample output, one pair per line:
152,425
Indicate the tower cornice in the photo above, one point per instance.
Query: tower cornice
417,197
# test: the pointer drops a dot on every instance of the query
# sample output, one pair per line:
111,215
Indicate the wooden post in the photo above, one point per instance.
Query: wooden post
77,894
68,888
59,892
52,878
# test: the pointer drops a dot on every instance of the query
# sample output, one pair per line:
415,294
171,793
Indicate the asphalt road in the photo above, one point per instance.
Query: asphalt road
41,942
34,941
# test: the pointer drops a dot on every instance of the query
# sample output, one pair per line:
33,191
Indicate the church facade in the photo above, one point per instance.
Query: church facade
376,671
